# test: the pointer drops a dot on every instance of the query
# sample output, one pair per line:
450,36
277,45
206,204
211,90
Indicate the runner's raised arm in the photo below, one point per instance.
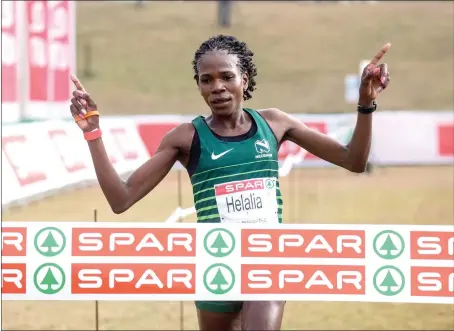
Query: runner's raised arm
122,195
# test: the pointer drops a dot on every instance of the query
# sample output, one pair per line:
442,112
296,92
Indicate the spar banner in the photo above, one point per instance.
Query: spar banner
10,54
50,57
186,262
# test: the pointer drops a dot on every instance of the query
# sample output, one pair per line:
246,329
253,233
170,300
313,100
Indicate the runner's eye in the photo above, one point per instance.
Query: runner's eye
205,80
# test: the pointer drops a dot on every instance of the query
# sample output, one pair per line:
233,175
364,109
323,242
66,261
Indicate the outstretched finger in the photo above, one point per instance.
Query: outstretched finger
78,84
380,54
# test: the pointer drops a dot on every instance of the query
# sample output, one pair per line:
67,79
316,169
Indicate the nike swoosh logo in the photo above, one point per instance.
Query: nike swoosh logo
215,157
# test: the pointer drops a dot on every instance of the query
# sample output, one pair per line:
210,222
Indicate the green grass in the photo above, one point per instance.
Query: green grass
142,58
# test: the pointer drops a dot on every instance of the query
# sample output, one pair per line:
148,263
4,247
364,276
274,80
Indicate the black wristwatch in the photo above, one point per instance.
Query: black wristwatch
364,110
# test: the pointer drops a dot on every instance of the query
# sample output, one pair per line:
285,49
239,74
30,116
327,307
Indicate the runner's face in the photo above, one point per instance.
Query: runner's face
220,82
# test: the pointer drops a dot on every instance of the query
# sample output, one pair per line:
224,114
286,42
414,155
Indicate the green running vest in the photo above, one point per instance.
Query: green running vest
237,182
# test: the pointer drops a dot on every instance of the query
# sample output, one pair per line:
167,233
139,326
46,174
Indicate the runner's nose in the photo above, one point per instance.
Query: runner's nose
217,87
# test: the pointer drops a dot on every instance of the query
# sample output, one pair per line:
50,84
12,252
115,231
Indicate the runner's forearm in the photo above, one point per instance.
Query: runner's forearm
359,145
114,189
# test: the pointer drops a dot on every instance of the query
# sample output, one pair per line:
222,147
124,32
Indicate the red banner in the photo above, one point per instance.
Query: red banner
59,49
9,52
446,139
37,28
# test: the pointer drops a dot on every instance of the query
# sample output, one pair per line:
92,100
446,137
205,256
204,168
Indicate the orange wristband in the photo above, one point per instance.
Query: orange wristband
92,113
78,118
92,135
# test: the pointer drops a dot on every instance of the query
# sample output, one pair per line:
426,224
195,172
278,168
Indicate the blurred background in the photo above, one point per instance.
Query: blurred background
134,57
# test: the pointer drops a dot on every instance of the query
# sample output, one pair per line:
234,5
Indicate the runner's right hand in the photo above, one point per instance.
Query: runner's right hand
83,108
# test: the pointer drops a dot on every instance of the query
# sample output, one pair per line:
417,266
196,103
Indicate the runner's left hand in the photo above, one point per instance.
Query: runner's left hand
374,79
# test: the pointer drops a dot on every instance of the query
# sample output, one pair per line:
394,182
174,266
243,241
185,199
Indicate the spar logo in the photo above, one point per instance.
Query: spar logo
219,242
432,245
132,278
303,243
219,278
134,242
14,278
389,280
50,241
389,245
302,279
49,278
432,281
14,241
270,183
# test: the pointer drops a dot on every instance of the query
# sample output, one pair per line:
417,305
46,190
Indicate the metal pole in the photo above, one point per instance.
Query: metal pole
180,204
95,216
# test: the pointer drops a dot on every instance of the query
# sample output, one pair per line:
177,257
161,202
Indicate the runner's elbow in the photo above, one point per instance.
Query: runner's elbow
357,167
119,208
358,170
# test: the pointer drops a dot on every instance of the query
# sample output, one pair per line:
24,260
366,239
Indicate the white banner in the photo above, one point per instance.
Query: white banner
46,156
157,261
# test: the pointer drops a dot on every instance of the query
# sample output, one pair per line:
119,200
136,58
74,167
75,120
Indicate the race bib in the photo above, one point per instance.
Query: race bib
247,201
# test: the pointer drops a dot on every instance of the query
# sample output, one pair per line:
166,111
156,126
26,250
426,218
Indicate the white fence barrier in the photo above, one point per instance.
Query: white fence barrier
44,157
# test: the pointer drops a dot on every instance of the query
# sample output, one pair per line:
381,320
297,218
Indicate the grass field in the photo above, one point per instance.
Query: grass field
390,196
142,58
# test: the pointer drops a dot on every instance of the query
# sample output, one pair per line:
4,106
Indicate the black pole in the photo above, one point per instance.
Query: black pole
88,59
225,13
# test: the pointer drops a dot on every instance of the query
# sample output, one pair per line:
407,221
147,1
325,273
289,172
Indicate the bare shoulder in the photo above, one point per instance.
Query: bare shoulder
282,118
278,121
179,137
277,117
272,114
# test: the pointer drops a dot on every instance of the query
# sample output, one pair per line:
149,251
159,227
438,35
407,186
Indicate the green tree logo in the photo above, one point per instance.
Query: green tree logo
389,281
50,241
219,278
49,278
269,183
389,245
219,242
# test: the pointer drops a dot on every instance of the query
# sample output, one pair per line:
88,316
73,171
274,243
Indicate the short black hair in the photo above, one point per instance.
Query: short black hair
233,46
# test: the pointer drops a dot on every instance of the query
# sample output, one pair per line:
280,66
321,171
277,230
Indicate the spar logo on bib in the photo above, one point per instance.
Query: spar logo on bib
247,201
